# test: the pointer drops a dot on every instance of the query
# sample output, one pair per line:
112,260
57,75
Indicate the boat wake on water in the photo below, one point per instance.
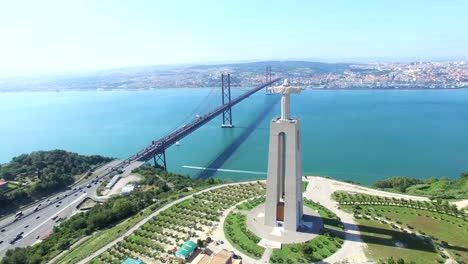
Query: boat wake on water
224,170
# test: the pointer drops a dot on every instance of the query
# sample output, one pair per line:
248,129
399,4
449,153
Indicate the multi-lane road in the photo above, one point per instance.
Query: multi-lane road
35,224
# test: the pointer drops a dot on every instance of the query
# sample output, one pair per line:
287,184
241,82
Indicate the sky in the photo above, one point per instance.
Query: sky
81,35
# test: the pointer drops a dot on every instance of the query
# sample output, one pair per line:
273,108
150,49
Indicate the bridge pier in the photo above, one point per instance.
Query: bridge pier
160,157
268,79
226,99
157,149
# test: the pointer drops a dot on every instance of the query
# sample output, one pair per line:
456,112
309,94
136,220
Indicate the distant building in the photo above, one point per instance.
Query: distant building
132,261
3,185
113,181
186,250
127,189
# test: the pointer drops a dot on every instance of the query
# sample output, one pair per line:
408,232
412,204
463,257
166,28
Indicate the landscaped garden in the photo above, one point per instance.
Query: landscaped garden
319,248
191,219
236,232
417,230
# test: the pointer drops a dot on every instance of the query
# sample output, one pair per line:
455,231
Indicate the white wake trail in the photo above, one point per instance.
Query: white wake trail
224,170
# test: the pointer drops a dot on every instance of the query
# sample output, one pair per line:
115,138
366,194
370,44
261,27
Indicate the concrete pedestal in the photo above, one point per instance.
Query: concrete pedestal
284,180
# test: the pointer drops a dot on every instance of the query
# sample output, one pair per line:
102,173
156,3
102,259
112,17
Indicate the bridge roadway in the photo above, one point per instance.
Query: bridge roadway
38,222
160,145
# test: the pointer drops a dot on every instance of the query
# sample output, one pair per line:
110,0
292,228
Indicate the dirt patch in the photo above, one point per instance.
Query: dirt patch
86,204
121,183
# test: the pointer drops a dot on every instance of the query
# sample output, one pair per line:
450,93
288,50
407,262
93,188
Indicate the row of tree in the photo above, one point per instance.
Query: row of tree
43,173
432,187
104,216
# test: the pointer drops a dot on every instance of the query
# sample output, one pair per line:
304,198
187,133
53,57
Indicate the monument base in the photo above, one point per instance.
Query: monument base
311,226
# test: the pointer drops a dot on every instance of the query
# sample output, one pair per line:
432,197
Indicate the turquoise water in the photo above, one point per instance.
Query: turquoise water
360,135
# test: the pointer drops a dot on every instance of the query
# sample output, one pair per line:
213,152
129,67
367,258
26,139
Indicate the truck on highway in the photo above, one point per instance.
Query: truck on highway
18,215
18,237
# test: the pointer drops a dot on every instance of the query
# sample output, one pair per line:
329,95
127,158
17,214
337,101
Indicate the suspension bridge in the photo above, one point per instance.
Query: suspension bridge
156,151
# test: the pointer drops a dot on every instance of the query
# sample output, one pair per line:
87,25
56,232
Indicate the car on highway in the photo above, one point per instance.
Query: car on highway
18,237
57,205
3,230
88,186
37,217
1,242
26,226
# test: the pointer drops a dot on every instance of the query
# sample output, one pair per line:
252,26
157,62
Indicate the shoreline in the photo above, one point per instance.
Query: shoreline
208,87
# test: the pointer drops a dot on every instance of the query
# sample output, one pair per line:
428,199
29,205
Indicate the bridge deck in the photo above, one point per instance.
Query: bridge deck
160,145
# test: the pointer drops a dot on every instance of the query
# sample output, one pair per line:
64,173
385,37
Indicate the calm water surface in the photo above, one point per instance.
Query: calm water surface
361,135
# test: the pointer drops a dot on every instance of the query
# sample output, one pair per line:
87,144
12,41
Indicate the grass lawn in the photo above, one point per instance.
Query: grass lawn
100,239
12,186
381,242
314,250
330,220
235,230
318,248
304,185
250,204
440,227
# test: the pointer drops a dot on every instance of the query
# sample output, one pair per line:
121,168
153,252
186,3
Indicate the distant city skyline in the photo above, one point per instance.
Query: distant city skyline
56,36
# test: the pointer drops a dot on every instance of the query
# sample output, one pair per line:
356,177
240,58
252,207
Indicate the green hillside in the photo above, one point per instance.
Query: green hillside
42,173
441,188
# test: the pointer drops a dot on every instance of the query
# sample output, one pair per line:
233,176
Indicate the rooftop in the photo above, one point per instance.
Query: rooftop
132,261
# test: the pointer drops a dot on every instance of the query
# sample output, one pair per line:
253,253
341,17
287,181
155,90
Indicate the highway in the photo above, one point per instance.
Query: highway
40,222
36,224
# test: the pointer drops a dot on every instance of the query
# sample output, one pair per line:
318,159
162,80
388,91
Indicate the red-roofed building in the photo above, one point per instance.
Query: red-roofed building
3,185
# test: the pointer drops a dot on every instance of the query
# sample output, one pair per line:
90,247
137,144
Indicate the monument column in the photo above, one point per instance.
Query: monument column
284,180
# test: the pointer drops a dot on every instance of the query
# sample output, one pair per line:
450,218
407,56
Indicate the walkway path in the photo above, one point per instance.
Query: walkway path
320,190
218,234
266,255
146,219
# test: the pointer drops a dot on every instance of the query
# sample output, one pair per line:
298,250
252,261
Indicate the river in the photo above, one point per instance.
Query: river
359,135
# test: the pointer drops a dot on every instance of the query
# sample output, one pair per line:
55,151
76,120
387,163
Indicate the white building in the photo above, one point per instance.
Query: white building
113,181
127,189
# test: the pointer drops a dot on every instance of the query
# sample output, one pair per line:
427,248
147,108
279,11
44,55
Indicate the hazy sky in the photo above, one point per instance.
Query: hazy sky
67,35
